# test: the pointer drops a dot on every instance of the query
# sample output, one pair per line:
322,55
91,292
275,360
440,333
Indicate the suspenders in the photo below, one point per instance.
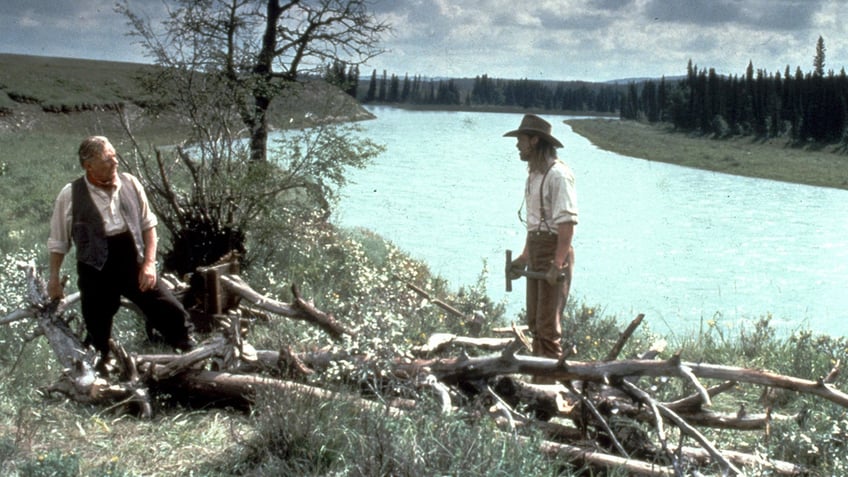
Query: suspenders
544,220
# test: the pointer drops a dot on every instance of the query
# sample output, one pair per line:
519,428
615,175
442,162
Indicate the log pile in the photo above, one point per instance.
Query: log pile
600,414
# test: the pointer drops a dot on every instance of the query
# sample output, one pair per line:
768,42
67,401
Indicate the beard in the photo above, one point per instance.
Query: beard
537,164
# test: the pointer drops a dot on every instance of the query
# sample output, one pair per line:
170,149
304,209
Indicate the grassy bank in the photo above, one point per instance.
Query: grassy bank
772,159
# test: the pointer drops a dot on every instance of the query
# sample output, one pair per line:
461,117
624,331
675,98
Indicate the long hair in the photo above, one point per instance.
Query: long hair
544,152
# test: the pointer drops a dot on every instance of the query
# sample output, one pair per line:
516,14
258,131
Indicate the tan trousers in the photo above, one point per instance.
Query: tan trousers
545,302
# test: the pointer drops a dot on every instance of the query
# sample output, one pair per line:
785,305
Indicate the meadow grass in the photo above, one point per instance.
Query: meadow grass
775,159
43,434
66,84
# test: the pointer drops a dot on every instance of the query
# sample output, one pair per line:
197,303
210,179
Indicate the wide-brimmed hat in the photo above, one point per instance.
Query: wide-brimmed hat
533,125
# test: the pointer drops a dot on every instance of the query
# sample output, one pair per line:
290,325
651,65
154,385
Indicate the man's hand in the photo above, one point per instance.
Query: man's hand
554,274
55,288
516,267
147,276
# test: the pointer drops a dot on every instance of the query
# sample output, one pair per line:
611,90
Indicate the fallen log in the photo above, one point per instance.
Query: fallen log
778,467
696,455
471,368
222,385
585,456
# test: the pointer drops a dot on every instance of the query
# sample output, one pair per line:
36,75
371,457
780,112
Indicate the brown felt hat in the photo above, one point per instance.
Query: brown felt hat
533,125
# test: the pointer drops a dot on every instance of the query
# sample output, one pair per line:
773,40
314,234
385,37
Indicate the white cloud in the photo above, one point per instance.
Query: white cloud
29,20
550,39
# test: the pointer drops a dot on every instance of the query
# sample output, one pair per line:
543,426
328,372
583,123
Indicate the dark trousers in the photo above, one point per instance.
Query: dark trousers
545,302
101,290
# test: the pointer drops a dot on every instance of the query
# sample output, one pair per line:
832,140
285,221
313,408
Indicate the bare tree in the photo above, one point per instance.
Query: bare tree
225,66
252,51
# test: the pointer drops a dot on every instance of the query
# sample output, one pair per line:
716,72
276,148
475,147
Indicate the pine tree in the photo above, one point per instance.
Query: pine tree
407,88
818,60
371,95
381,95
353,81
394,90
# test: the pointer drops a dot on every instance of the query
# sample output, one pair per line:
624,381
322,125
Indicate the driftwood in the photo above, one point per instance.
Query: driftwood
593,395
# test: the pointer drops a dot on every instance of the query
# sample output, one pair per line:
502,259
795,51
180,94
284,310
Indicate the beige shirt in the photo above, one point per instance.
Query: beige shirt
109,206
560,196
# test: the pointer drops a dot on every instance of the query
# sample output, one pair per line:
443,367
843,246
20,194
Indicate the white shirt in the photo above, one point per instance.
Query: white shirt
560,196
109,206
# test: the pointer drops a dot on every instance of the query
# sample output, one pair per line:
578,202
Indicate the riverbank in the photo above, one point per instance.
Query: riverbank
489,108
772,159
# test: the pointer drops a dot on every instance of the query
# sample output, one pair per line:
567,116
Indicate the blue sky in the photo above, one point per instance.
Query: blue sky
593,40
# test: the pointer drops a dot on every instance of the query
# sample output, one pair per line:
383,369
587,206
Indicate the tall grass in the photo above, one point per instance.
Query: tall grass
297,435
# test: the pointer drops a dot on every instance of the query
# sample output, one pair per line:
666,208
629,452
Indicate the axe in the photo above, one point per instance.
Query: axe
525,273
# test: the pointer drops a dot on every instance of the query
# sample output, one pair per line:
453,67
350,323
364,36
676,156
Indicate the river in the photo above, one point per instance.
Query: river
681,245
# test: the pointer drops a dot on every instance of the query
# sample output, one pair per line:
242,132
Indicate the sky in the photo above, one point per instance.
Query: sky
590,40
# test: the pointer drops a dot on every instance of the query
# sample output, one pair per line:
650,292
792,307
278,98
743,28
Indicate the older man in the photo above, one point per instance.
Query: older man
107,217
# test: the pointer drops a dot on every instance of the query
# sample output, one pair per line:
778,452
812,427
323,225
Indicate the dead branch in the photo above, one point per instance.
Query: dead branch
18,315
695,401
628,332
441,304
726,465
440,341
594,457
474,321
740,458
300,310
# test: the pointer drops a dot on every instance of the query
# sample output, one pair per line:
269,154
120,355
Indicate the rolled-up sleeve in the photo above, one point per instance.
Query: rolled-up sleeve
59,240
563,196
146,215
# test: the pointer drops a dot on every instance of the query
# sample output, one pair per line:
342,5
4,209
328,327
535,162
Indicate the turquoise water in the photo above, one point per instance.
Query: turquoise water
681,245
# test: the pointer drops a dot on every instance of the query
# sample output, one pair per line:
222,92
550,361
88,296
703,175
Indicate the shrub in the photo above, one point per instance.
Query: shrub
52,464
298,435
719,126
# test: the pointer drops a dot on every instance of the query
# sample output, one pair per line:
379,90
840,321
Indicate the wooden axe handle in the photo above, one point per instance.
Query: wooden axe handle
506,270
525,273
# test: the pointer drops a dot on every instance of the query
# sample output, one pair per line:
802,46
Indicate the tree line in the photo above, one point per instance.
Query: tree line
804,107
479,91
801,106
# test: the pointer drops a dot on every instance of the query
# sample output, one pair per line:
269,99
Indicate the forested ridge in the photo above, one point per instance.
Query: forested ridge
482,91
802,107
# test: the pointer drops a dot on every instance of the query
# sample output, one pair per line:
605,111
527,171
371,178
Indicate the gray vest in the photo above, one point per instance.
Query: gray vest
87,228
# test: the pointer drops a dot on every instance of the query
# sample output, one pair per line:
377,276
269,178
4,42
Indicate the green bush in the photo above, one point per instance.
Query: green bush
54,463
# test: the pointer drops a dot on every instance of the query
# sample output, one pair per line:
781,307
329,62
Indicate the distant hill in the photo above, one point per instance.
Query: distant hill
67,85
626,81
